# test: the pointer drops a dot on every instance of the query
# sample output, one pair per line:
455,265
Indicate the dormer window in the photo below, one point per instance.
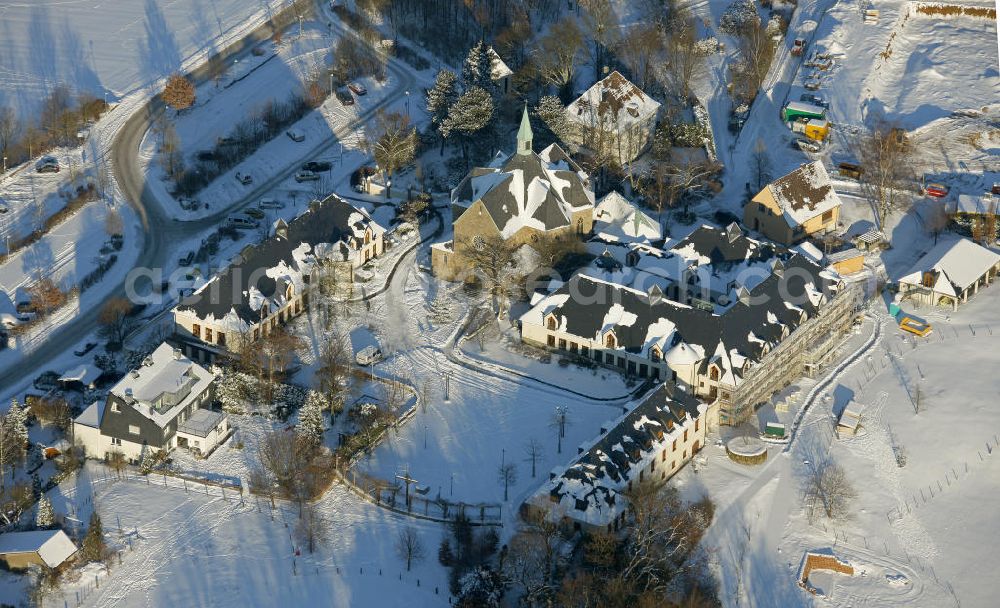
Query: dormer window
550,323
655,354
713,372
610,341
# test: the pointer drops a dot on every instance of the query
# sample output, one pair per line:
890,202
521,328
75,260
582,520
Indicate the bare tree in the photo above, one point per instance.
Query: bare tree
507,475
558,423
396,145
557,53
532,453
826,485
640,49
885,153
601,26
311,528
115,321
113,223
409,546
117,462
760,166
684,61
9,129
756,50
533,557
179,92
45,296
491,258
333,372
671,179
654,542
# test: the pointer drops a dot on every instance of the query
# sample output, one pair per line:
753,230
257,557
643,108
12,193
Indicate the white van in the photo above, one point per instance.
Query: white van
368,355
270,203
241,222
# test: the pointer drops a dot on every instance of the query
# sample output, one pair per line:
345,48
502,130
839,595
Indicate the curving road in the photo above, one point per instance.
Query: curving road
159,230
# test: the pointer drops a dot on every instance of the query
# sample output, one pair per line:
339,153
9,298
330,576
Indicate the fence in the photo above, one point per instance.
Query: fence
394,497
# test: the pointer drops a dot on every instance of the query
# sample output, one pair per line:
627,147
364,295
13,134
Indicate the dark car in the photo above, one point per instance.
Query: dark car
47,381
344,96
86,348
47,164
357,88
316,166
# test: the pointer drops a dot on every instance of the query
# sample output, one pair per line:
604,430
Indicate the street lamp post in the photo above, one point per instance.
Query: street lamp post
407,104
300,27
331,85
4,163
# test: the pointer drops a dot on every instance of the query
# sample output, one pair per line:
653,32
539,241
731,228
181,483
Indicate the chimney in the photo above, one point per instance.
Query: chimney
178,355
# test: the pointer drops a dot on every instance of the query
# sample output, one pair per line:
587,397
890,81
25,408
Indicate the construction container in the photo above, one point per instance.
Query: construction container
798,109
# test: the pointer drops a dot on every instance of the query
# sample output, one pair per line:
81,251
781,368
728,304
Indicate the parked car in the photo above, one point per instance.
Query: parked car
186,259
206,155
4,208
239,222
316,166
295,136
851,170
270,203
807,145
86,348
306,176
244,178
256,214
936,190
188,203
368,355
814,99
344,96
225,141
357,88
47,164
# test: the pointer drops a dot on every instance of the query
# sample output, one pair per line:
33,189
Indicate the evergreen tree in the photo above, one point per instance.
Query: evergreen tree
93,549
553,116
477,69
44,517
311,418
472,113
442,96
17,419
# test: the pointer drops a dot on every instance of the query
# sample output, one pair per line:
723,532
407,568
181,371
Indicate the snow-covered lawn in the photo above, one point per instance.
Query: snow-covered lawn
193,548
117,47
923,522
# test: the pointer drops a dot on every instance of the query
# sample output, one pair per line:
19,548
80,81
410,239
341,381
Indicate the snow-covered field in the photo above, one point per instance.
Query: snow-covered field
203,549
115,47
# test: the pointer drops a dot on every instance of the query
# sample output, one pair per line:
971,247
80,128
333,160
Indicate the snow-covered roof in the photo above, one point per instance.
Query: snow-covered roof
613,101
52,546
804,193
956,266
745,286
975,205
589,489
201,423
164,384
330,230
498,69
92,415
85,374
540,191
616,219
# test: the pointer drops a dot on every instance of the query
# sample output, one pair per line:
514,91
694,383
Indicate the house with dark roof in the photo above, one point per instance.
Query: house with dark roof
730,318
269,283
162,404
520,198
650,442
795,207
613,118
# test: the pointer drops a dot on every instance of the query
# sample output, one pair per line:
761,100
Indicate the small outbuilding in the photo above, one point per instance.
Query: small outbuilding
21,550
850,420
950,273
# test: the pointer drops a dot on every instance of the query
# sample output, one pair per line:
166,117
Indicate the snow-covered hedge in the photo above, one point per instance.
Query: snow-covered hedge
240,393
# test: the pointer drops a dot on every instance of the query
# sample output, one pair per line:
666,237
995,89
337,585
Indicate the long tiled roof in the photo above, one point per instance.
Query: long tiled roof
258,277
591,485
